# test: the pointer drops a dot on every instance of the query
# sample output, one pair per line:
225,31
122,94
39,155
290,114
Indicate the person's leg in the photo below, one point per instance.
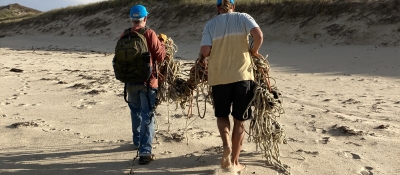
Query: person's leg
243,96
147,126
222,106
237,140
224,130
134,106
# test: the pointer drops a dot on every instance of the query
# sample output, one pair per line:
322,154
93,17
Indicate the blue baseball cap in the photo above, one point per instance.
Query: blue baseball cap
219,2
138,12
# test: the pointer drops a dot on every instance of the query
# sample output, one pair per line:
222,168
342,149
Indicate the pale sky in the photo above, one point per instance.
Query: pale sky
46,5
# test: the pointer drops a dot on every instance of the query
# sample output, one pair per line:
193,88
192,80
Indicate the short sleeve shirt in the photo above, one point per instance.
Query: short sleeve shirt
230,59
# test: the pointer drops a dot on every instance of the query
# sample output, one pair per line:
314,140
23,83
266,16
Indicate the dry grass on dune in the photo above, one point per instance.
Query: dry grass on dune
279,8
16,12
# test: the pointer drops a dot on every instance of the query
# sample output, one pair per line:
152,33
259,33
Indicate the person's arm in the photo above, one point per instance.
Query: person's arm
205,51
206,44
251,26
258,40
156,48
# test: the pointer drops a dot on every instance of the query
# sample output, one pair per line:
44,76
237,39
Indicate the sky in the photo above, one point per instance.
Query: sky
46,5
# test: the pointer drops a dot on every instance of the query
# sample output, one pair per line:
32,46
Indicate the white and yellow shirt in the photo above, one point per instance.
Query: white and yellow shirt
230,59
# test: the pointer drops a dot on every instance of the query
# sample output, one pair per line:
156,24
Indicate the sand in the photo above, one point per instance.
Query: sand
62,111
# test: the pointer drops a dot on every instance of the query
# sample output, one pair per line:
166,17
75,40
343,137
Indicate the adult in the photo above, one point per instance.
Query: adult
225,42
142,95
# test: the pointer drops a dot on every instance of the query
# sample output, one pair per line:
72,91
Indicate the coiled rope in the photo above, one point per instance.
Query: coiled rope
173,88
264,130
170,85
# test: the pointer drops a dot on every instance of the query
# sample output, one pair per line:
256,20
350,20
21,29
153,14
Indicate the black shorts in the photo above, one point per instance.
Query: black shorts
236,95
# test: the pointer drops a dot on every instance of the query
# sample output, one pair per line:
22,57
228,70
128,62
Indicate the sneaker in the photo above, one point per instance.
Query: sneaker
144,160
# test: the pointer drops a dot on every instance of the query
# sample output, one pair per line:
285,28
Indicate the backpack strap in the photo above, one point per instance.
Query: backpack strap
142,30
127,31
125,94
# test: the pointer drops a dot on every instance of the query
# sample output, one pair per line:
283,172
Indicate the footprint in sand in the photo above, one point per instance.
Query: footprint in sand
16,70
366,170
202,134
38,104
4,103
308,152
50,79
214,149
226,171
345,130
166,152
343,154
189,155
83,106
29,124
348,155
86,104
62,82
24,124
172,136
327,100
81,86
324,140
81,136
351,101
352,143
343,118
23,104
25,87
294,140
12,98
355,156
319,130
100,141
96,92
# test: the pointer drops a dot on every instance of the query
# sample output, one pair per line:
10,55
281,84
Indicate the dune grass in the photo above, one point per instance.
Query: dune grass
290,8
16,12
279,8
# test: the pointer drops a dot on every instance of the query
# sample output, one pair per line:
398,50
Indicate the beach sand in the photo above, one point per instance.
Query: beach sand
62,110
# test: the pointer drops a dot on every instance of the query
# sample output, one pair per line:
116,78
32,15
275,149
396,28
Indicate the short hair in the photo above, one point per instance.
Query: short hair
137,20
226,5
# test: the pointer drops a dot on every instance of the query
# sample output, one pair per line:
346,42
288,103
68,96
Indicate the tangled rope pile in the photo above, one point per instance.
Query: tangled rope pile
264,130
173,88
198,78
168,75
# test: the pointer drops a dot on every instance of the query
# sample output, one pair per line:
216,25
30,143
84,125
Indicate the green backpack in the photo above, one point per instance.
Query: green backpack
131,62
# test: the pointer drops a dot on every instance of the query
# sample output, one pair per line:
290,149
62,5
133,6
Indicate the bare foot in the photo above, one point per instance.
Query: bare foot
226,160
239,167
